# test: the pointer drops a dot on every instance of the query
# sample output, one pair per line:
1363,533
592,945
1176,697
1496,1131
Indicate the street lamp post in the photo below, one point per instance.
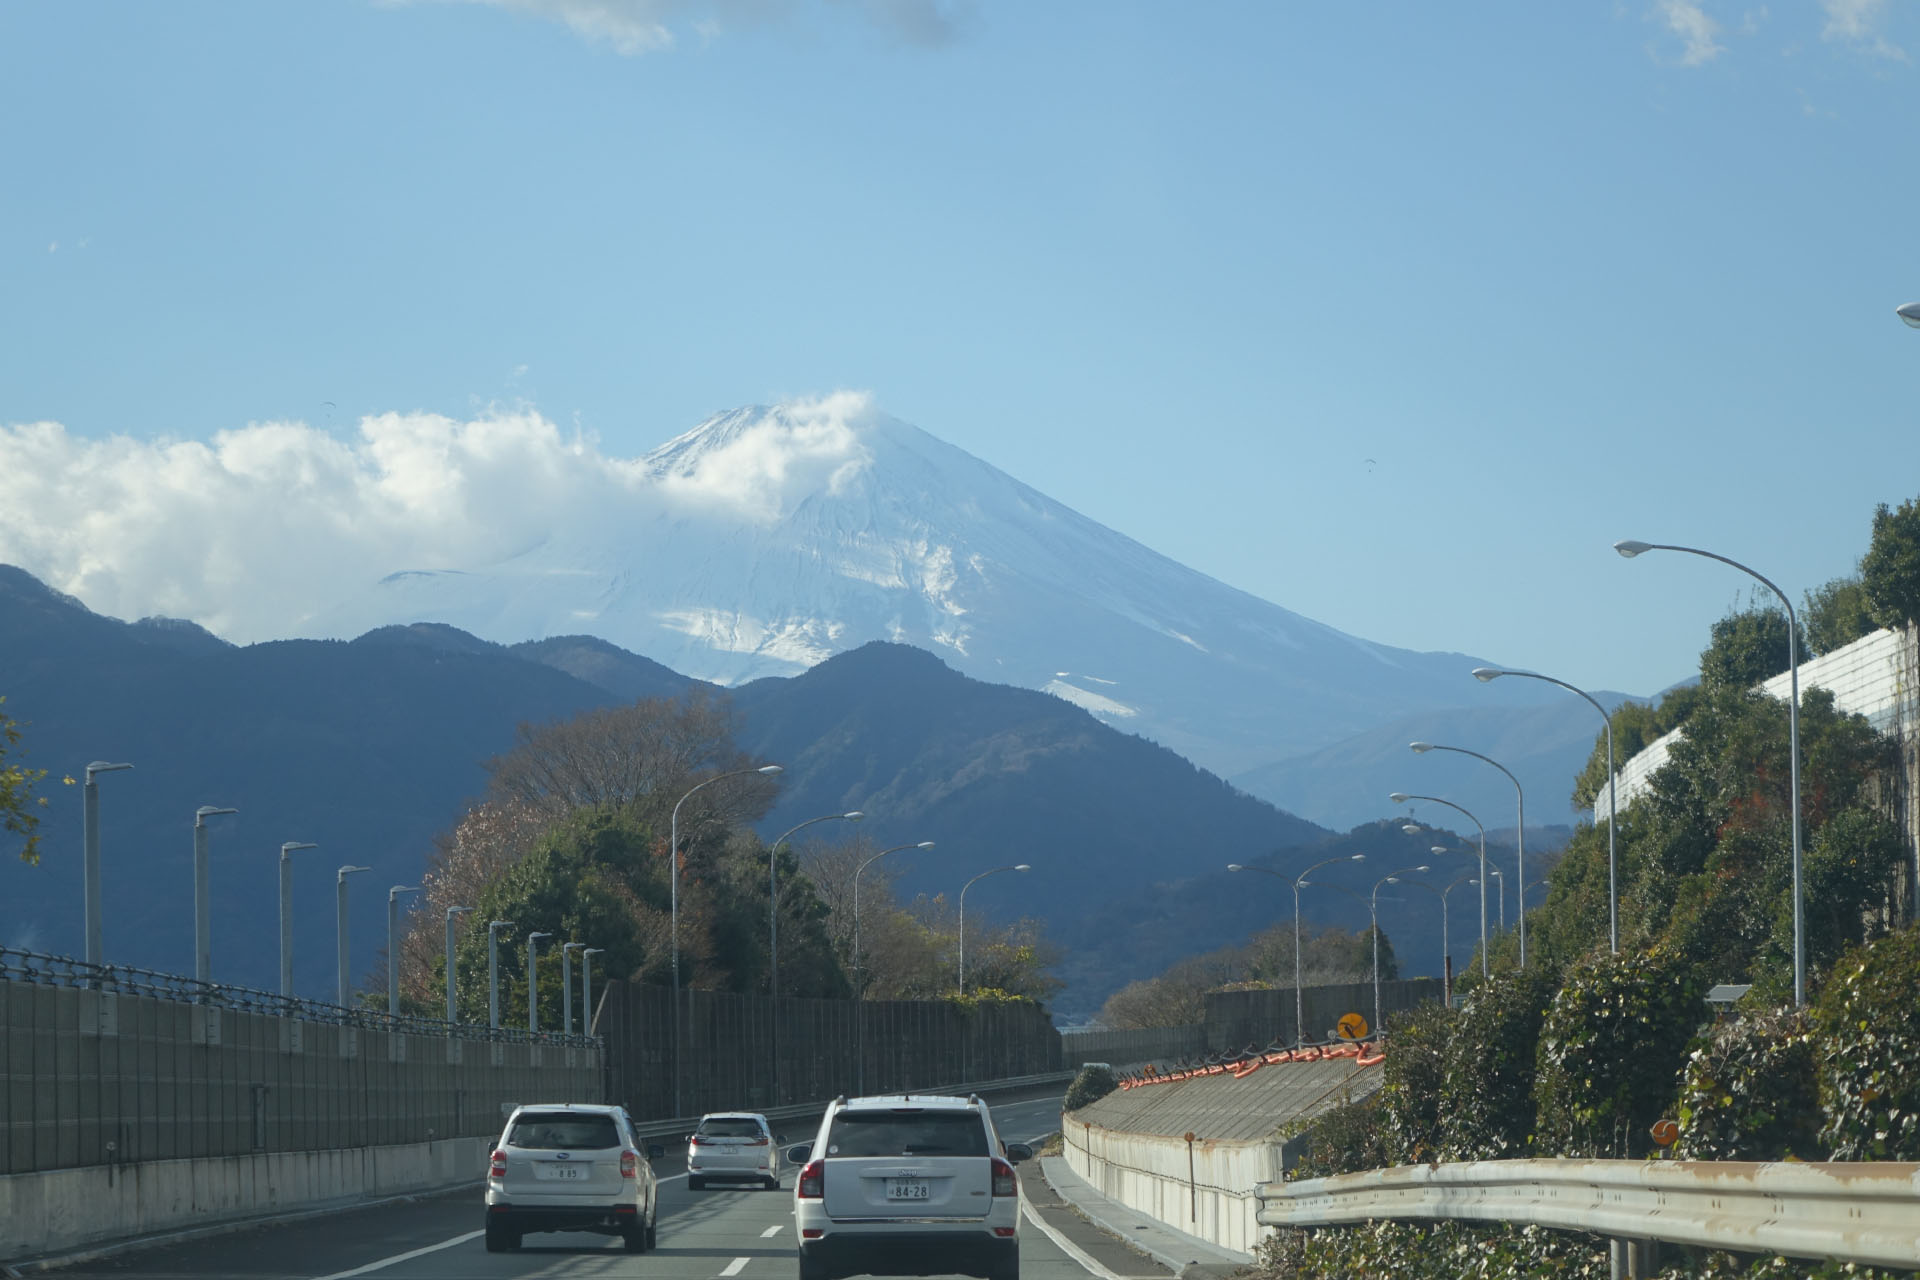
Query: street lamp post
773,892
773,935
963,915
673,874
1298,882
533,981
1486,675
203,895
1630,548
393,945
1401,797
493,971
1373,913
860,971
286,911
342,981
453,986
566,984
1500,890
586,988
1519,834
1446,945
90,855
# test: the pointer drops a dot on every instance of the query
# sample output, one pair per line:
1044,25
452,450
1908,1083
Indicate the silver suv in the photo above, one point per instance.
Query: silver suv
732,1146
908,1185
571,1167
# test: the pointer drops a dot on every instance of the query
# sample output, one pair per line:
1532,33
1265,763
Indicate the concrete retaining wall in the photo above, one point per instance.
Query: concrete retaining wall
1213,1199
67,1209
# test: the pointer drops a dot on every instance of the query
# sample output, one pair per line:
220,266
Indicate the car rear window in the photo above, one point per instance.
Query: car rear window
729,1127
562,1131
907,1133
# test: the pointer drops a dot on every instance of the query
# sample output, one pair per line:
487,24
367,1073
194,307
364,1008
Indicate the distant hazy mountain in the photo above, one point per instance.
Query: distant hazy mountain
1348,783
890,534
371,747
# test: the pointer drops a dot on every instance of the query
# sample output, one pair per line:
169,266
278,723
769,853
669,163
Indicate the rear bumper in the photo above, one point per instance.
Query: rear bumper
563,1217
911,1251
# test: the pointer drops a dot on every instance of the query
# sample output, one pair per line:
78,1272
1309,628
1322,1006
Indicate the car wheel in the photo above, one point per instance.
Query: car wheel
696,1184
812,1269
773,1184
653,1235
635,1238
496,1240
1008,1270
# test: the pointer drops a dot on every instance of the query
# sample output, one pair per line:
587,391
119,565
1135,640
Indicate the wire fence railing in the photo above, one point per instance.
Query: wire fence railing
38,968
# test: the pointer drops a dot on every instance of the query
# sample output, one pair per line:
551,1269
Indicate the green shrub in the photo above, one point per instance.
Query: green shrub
1611,1048
1868,1021
1488,1067
1412,1095
1092,1084
1751,1091
1346,1139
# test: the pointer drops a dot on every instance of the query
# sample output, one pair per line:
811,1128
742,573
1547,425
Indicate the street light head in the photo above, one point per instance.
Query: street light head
535,937
1423,868
1358,857
770,769
1412,828
1398,797
1391,880
291,845
399,889
924,844
1910,313
455,911
103,766
344,872
1437,849
593,951
209,810
1486,675
1630,548
1420,747
855,816
1023,867
1234,866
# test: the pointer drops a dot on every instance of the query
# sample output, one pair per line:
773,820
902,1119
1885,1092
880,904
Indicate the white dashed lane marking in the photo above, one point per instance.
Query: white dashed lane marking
773,1230
735,1267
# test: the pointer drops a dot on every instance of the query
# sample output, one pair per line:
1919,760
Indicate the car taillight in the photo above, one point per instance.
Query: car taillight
813,1181
760,1141
1004,1183
497,1167
629,1163
693,1139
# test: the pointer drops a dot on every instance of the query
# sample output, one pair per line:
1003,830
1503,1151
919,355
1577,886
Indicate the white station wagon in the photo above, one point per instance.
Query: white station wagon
571,1167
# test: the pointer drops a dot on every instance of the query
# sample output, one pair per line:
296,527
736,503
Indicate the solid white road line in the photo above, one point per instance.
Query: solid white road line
773,1230
1065,1245
735,1267
402,1257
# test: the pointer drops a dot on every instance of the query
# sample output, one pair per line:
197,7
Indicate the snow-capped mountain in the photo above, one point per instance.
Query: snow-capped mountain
766,540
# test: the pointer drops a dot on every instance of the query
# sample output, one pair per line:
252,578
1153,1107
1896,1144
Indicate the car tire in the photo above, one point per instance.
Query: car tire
635,1239
1008,1268
500,1239
773,1184
812,1269
653,1234
696,1184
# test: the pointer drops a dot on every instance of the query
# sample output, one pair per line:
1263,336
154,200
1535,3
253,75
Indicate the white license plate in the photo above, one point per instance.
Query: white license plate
552,1170
909,1189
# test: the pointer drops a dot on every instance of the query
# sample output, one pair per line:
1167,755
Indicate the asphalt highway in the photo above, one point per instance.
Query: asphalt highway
716,1234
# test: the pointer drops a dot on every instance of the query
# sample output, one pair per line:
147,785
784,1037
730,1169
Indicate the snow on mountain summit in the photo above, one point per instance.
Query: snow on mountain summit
767,539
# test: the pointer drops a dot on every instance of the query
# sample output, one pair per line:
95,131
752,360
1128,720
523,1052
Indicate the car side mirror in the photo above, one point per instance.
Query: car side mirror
493,1146
655,1151
1018,1151
780,1138
800,1153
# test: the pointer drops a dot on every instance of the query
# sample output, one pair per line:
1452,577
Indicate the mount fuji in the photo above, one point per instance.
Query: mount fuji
766,540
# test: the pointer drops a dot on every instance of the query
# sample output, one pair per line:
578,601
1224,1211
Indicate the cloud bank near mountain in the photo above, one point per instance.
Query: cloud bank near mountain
259,528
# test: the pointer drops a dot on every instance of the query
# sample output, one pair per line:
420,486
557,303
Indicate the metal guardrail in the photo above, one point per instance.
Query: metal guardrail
1854,1212
36,968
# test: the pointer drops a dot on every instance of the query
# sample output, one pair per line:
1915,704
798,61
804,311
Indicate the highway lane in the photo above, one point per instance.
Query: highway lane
715,1234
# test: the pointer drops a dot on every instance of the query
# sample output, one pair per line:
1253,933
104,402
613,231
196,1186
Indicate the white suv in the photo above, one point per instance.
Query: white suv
732,1146
571,1167
908,1185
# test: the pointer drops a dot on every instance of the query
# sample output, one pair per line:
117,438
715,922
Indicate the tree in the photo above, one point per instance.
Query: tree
1748,646
1890,571
17,801
615,755
1836,614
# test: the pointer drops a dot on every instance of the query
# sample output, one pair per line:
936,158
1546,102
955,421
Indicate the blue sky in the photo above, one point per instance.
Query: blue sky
1397,316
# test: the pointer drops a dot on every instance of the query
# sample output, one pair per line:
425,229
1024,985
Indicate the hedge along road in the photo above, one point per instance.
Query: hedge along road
704,1235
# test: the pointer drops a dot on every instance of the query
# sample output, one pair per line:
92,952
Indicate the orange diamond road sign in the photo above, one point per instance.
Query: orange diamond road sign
1352,1027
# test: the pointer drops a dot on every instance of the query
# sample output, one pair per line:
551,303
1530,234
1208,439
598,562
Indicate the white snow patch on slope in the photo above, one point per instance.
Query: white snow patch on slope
1087,700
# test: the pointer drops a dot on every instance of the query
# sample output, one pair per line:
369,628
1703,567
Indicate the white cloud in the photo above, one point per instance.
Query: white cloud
1697,31
1857,22
632,27
257,529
